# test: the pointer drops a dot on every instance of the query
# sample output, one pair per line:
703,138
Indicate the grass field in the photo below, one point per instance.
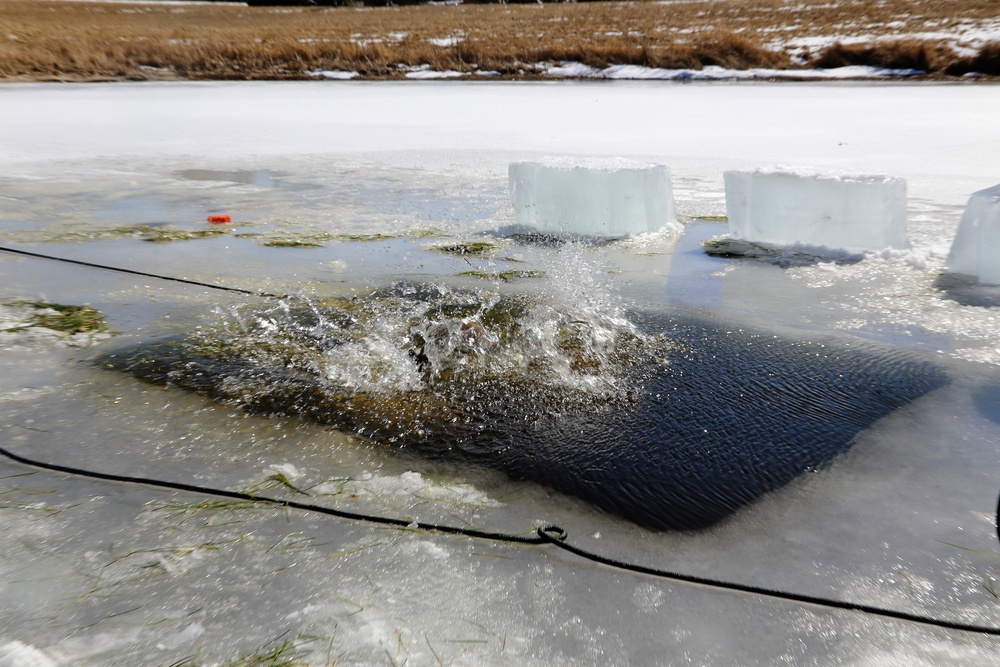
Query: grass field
63,40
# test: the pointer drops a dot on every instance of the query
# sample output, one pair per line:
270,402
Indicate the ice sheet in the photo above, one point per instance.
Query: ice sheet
100,575
882,129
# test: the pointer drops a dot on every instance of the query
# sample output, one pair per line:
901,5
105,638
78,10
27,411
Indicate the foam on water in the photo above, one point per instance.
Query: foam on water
407,336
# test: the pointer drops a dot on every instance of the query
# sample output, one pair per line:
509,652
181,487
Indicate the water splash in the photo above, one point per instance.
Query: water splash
412,337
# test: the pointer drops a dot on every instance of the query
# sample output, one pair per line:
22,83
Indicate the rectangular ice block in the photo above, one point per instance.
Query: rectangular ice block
976,249
606,197
787,207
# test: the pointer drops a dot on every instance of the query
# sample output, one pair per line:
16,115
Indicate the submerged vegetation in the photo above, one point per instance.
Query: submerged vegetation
785,256
63,40
291,243
168,234
151,233
475,248
507,276
62,318
281,652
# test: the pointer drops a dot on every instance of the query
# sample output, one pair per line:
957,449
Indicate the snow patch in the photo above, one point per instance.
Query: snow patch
336,74
425,72
714,73
451,40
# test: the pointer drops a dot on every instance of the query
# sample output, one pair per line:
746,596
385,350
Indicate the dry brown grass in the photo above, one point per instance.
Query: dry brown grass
900,54
44,40
986,61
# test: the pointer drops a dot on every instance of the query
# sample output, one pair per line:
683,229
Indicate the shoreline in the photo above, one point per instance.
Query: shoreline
777,40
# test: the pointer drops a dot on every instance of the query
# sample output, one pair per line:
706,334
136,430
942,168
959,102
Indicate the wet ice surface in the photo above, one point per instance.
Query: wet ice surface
95,573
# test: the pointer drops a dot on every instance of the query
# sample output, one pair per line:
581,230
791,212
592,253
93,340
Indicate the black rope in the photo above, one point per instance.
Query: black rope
27,253
549,534
307,507
557,536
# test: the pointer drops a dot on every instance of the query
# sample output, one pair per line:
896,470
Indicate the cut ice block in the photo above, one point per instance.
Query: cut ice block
976,249
592,196
785,207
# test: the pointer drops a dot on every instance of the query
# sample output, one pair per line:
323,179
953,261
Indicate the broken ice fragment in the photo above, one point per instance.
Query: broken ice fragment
606,197
976,249
785,207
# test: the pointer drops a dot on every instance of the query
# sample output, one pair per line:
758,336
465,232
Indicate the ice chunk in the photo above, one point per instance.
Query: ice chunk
976,248
592,196
786,207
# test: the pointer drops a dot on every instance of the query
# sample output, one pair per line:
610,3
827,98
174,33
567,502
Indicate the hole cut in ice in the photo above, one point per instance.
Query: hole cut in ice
669,421
591,197
794,207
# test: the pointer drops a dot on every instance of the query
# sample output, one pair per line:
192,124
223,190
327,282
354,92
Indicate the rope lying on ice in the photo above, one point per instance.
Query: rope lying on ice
144,274
549,534
307,507
544,535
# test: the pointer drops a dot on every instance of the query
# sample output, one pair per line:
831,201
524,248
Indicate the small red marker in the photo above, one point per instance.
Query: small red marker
219,219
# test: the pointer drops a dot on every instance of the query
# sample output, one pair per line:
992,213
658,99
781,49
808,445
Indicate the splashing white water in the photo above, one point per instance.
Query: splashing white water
409,337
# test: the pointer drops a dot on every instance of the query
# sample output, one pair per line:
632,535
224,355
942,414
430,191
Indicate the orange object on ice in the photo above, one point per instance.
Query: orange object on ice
219,219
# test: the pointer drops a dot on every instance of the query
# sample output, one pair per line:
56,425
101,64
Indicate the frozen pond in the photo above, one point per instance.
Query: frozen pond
338,190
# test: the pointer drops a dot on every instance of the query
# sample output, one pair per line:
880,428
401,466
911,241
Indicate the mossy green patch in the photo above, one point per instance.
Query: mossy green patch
507,314
152,233
366,237
720,248
291,243
169,234
66,319
477,248
281,652
412,234
290,238
712,218
507,276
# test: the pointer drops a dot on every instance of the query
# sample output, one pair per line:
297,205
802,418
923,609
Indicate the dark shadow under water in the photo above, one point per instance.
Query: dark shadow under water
727,416
968,291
